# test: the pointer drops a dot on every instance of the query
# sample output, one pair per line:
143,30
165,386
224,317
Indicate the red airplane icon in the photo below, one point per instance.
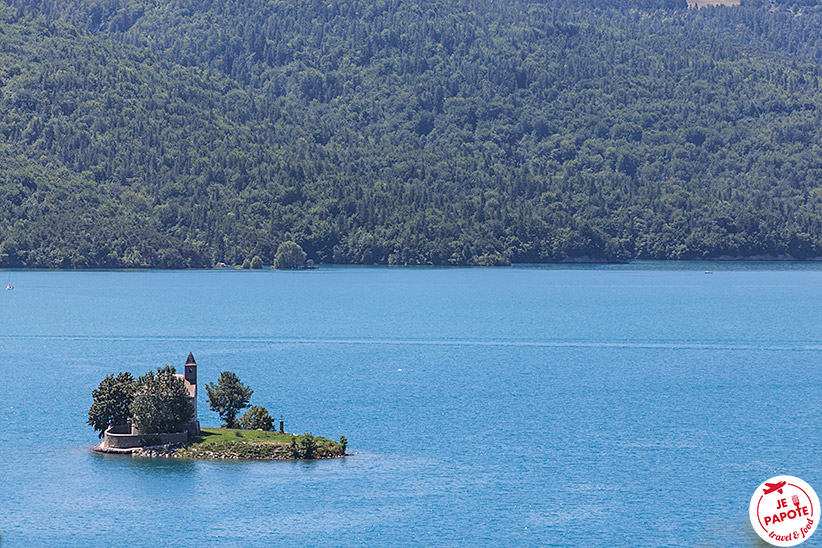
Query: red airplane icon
771,487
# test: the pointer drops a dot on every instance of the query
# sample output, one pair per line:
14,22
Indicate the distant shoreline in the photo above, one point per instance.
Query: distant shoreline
581,261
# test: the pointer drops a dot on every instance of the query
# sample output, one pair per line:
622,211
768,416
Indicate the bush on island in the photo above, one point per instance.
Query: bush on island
308,445
257,418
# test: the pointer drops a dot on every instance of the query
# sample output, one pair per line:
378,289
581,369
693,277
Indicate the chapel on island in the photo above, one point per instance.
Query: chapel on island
125,439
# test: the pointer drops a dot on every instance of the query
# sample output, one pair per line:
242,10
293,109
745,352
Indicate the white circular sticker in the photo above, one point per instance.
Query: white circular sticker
784,511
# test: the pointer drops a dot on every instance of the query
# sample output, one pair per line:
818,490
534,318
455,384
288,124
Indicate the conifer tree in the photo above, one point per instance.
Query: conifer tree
228,397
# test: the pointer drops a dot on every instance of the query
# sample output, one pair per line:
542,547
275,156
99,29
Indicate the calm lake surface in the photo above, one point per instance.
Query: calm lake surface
636,405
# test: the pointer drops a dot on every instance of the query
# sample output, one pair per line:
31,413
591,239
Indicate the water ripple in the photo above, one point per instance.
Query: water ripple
549,343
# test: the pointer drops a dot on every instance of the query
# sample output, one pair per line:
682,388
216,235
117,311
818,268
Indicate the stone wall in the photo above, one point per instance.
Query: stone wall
114,440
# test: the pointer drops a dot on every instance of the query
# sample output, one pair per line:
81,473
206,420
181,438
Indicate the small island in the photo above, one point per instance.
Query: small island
235,443
156,416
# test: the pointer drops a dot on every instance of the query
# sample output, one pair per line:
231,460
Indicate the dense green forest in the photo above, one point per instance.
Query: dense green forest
175,133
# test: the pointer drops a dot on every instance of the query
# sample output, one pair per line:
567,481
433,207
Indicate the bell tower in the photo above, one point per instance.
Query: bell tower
190,377
191,370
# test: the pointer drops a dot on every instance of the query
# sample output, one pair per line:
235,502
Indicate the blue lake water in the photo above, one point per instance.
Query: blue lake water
636,405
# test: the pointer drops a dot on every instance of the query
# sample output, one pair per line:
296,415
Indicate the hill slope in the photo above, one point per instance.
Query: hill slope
183,133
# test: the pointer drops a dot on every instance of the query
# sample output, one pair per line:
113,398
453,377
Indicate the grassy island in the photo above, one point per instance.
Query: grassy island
156,416
232,443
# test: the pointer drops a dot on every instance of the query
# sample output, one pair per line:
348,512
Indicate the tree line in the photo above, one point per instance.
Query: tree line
184,134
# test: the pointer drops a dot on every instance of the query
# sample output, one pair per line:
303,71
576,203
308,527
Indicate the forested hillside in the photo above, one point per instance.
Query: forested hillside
181,133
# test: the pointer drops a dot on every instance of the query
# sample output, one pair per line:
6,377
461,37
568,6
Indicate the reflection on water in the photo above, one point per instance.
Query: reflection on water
145,466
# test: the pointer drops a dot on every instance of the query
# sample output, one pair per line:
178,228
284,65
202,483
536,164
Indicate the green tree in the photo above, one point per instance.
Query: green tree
343,443
256,262
161,403
246,264
308,446
486,171
112,399
228,397
257,418
289,256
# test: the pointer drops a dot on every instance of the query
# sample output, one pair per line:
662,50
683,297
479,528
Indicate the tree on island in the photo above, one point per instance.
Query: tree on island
289,256
308,445
305,449
257,418
227,397
112,400
161,403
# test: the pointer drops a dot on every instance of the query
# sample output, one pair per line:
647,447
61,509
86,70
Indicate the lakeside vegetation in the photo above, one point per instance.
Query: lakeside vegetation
181,134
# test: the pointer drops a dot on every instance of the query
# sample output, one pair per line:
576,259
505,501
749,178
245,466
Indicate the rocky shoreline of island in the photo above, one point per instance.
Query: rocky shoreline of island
238,444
